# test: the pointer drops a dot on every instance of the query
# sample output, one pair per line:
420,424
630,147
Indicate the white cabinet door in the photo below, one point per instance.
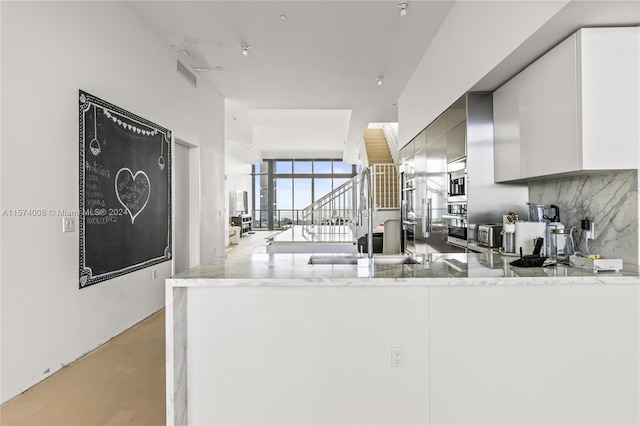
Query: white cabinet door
576,108
506,131
533,354
610,84
548,113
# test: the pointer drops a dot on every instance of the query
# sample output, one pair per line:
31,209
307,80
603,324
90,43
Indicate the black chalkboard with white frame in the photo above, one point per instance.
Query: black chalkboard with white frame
125,191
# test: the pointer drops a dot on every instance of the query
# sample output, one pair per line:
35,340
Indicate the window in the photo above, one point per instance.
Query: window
322,187
340,167
302,166
260,195
283,166
322,167
292,186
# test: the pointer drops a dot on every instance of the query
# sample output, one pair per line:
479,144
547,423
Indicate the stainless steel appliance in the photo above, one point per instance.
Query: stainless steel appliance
490,235
454,189
457,204
544,213
457,226
550,214
457,182
424,193
407,212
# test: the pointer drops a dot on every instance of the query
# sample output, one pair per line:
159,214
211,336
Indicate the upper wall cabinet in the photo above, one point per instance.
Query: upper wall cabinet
575,109
457,130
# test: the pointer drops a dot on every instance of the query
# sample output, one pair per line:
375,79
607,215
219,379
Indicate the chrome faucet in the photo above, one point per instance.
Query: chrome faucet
366,204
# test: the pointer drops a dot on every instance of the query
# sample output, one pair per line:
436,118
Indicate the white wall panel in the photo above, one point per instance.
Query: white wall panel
302,356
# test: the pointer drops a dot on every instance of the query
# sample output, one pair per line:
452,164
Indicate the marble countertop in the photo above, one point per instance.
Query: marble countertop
435,269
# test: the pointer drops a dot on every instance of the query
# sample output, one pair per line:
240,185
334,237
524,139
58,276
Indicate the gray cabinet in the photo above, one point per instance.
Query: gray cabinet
574,109
456,117
457,142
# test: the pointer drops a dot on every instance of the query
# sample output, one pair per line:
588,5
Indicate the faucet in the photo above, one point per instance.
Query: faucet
366,204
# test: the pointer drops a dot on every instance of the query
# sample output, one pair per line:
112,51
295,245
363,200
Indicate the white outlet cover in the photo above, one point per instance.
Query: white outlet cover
397,357
68,224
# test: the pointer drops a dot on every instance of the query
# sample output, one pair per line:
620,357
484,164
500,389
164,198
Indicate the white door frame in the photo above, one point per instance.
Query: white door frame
194,202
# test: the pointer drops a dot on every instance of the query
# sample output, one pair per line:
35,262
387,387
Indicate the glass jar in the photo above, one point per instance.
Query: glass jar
560,247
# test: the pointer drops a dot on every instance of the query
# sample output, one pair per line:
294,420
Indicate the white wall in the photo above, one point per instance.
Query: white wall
456,59
50,50
238,176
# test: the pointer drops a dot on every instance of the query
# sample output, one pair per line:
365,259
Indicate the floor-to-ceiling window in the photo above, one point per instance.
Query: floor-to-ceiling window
282,188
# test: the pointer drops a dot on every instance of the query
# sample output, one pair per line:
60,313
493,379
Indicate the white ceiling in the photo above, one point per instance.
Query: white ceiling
309,82
308,85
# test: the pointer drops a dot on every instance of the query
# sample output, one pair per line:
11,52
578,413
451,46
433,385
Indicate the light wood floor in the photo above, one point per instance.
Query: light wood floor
120,383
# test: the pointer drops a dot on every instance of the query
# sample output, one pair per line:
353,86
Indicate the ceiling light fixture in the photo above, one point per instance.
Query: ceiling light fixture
245,49
283,17
379,79
403,8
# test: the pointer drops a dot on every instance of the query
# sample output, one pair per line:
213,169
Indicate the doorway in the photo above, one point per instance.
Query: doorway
182,229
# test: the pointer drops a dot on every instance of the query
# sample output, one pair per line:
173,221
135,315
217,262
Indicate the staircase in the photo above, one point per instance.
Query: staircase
340,207
385,173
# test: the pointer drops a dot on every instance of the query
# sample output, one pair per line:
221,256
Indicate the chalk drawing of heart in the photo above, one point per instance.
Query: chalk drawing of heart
133,191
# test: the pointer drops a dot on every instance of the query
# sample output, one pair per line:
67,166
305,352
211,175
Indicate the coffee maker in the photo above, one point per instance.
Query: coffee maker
550,214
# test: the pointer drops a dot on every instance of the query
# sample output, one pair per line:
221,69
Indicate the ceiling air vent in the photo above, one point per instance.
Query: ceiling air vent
186,73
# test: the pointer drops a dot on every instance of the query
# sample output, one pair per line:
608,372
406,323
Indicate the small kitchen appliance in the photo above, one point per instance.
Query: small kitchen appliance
549,214
509,237
457,184
543,213
489,235
526,233
560,244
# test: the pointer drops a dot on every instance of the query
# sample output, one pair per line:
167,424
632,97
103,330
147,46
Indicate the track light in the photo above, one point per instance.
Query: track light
379,79
245,49
403,8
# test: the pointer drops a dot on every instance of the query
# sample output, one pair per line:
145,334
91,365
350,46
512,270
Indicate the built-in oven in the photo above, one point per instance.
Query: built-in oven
408,212
457,203
457,224
457,172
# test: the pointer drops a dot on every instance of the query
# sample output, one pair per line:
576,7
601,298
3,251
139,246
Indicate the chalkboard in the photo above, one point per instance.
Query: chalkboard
125,191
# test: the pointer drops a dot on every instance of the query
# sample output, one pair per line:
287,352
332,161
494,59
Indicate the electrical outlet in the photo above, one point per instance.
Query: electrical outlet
397,357
68,224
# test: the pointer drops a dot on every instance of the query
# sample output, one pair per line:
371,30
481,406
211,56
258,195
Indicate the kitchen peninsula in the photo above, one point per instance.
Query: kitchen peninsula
454,339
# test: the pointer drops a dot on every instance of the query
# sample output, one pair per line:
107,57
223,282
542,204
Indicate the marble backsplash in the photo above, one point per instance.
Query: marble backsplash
609,199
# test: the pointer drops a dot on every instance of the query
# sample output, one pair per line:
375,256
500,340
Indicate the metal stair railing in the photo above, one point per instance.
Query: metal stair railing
385,186
340,207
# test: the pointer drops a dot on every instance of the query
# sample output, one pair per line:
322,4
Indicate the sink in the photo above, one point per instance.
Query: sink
378,259
333,260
